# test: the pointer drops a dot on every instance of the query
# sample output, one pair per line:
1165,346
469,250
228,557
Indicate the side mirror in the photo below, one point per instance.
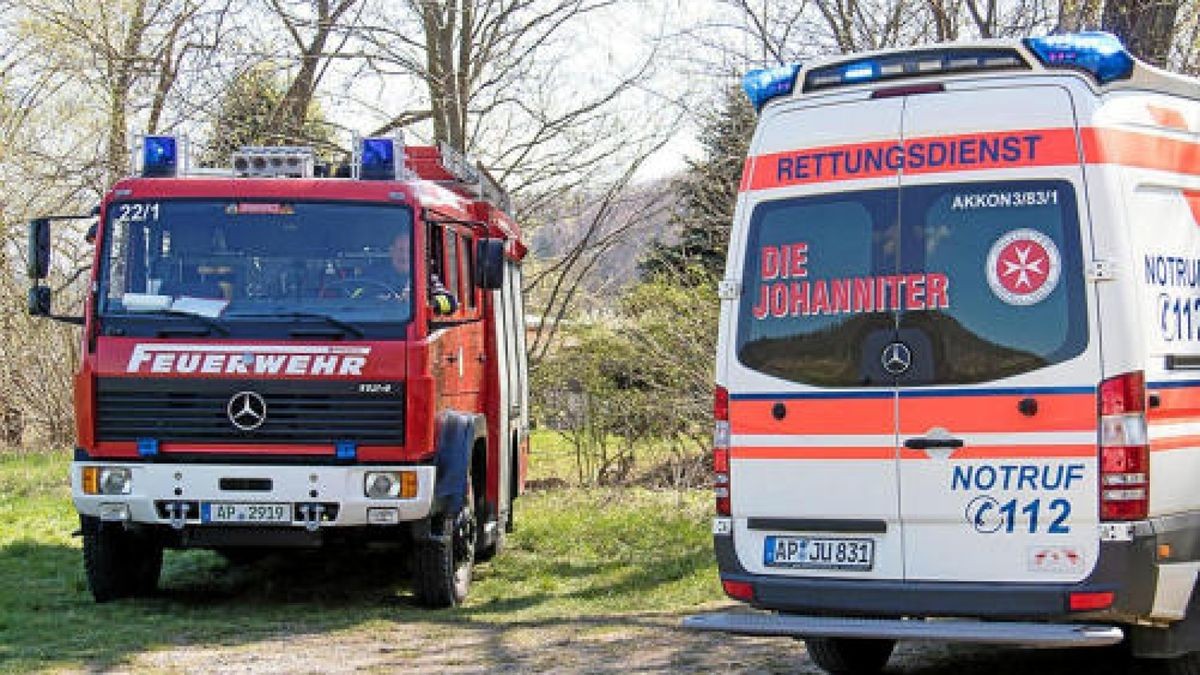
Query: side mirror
39,248
489,263
39,301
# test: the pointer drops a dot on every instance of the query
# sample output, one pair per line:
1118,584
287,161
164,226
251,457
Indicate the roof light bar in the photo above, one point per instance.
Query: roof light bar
157,156
1097,52
379,158
274,162
764,84
912,64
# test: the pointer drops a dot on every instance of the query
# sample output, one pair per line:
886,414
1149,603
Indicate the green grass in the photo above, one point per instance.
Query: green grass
575,553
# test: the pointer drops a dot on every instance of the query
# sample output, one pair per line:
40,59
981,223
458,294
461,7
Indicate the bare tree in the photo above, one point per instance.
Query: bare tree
1146,26
319,32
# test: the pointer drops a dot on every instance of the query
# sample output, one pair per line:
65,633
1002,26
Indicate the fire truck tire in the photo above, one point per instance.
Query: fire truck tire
845,656
442,566
119,564
485,552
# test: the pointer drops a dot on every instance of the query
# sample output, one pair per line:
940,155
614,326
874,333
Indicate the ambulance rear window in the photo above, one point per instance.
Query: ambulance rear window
810,276
979,281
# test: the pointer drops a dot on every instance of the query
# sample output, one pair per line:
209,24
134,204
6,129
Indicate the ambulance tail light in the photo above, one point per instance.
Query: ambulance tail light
1124,448
721,441
738,590
1098,53
1090,601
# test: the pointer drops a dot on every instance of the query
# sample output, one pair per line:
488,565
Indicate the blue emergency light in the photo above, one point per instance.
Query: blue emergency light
377,159
1097,52
160,156
764,84
147,447
860,72
345,450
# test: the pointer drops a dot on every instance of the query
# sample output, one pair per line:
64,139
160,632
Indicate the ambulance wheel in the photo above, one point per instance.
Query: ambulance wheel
848,656
442,566
119,563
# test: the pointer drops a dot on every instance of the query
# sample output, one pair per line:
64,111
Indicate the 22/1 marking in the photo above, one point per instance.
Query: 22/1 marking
137,213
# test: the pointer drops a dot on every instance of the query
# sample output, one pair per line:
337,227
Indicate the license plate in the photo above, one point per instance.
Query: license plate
225,512
829,553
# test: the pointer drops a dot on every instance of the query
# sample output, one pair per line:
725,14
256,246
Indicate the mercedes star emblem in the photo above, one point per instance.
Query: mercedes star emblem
896,358
247,410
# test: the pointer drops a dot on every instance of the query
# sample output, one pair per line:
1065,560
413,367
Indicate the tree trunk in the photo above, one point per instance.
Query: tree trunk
1147,27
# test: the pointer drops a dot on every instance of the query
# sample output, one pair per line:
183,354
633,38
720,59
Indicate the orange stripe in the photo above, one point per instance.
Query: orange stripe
887,453
1168,117
984,414
1177,404
1143,151
814,416
1193,200
1175,443
1025,451
932,154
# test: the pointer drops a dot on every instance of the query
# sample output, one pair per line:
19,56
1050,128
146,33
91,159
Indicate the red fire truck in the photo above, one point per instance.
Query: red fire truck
274,357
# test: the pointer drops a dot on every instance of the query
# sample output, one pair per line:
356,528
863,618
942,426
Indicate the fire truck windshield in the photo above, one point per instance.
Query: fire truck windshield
245,263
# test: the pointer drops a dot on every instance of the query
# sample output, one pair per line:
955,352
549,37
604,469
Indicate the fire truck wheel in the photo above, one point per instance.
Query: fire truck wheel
846,656
442,567
119,564
485,552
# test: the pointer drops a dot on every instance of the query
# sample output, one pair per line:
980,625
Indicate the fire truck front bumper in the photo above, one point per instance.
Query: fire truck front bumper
217,495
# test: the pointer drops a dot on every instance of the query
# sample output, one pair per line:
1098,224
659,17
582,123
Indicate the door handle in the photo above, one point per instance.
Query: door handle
923,443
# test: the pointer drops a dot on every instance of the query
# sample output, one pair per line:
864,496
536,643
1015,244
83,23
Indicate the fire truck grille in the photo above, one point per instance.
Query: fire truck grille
291,411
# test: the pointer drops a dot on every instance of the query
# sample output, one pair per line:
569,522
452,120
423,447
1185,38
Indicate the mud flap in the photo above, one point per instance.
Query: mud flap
456,437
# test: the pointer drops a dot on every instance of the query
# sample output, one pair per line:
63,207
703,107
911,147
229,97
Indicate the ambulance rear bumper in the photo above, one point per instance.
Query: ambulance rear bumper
1127,569
1025,634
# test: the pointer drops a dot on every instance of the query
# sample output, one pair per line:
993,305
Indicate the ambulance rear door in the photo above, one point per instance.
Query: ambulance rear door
997,404
812,412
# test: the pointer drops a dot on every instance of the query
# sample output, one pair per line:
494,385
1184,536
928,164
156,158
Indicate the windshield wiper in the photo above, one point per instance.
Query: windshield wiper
332,321
209,322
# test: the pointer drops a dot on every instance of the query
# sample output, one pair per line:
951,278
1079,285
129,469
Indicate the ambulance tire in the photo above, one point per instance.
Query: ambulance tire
119,563
442,566
849,656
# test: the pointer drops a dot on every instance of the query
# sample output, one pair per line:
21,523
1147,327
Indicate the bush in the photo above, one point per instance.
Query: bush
636,390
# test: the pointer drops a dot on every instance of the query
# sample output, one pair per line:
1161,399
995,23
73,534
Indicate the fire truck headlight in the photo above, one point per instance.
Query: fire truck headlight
391,485
107,480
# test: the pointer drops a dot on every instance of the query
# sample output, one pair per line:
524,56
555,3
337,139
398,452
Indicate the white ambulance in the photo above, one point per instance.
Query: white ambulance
959,355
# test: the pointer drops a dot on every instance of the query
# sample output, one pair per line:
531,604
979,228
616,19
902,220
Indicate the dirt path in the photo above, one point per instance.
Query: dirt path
607,644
